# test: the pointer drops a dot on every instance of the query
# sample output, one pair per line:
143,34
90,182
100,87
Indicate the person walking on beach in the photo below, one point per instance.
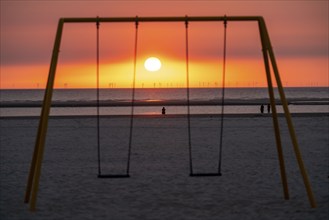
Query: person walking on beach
269,108
163,110
262,109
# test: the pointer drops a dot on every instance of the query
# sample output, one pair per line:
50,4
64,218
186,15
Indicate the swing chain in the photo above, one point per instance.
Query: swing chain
188,97
97,97
223,101
132,100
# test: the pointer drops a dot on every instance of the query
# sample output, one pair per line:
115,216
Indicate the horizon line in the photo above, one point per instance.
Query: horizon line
183,87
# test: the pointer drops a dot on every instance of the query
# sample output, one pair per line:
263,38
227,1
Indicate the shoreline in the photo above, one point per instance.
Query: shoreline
246,115
155,103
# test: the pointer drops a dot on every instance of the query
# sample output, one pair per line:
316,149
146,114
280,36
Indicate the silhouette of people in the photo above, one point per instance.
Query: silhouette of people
268,108
163,110
262,109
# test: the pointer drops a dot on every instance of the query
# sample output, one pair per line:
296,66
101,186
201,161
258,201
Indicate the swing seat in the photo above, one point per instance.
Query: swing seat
205,174
113,176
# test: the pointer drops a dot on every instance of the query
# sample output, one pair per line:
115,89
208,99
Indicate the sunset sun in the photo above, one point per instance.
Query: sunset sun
152,64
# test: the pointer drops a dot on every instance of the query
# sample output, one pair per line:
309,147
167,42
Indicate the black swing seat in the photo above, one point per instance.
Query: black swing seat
113,175
205,174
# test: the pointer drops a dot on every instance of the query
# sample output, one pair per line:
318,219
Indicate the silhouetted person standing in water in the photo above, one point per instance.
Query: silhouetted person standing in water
262,109
163,111
268,108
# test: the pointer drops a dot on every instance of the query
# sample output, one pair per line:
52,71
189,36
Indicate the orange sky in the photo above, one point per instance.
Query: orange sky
298,31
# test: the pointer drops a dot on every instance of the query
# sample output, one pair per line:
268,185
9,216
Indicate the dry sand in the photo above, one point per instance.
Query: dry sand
160,186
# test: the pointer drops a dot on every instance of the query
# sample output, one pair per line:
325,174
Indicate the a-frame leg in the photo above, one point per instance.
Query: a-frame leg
274,115
35,170
289,120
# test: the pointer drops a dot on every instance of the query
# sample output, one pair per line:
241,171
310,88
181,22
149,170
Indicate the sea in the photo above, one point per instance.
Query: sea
151,101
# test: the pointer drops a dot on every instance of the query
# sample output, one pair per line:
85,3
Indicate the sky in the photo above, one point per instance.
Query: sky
298,31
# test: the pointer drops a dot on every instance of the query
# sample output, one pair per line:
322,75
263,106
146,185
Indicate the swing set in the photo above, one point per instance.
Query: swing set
268,56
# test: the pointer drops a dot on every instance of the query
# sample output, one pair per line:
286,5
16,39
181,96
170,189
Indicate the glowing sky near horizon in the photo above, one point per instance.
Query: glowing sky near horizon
298,31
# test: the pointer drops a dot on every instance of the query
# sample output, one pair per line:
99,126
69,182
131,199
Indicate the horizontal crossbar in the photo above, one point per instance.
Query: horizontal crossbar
113,176
205,174
161,19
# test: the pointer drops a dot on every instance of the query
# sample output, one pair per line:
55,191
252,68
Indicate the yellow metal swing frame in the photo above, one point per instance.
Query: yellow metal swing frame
269,59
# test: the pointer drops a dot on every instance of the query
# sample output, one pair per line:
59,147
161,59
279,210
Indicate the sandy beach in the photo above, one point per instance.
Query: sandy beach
160,186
